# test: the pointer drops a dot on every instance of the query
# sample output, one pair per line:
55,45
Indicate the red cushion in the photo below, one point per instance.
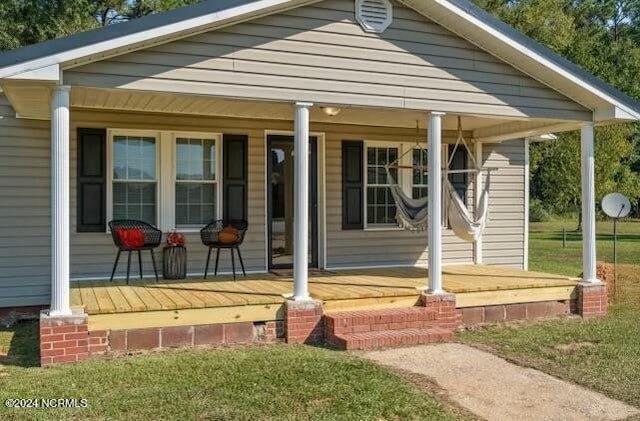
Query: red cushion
130,237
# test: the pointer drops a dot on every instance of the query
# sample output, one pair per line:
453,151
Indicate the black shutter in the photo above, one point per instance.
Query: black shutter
352,185
92,180
459,180
235,164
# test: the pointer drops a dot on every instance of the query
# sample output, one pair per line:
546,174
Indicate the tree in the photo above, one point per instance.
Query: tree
24,22
603,37
556,173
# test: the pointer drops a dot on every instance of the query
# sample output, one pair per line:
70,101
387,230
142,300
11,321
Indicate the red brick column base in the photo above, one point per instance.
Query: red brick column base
592,300
303,322
445,307
63,338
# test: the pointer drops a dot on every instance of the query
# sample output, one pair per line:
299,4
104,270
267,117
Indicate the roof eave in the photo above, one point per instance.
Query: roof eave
481,20
153,35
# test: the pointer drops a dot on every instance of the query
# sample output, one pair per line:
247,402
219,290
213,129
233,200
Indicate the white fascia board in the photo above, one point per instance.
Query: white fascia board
494,134
165,33
611,113
45,74
472,21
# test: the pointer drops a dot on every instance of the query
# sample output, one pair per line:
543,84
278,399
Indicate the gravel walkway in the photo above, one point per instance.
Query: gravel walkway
495,389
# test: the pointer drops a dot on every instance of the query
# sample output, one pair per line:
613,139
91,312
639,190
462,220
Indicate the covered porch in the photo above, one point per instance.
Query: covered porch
260,298
356,92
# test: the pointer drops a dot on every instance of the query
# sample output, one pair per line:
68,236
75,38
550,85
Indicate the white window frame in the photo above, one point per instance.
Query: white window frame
165,173
111,133
403,181
415,148
217,137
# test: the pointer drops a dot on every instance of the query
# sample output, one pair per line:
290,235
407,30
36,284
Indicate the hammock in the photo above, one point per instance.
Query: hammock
460,221
412,213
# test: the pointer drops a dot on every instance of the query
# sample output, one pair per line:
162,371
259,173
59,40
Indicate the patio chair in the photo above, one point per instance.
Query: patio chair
221,234
130,235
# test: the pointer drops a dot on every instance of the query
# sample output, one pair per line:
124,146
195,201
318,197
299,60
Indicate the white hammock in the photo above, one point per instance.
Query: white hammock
460,221
412,213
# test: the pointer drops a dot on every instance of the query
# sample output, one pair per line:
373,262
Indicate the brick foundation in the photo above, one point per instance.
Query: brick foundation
63,338
303,322
445,307
67,339
132,340
273,330
592,300
470,316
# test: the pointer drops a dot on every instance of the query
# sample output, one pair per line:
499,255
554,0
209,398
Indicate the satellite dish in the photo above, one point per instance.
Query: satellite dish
616,205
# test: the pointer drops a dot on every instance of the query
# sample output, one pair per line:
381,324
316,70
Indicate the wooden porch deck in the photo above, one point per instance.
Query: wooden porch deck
261,297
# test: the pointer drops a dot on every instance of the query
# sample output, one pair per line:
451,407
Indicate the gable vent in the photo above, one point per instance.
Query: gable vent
374,15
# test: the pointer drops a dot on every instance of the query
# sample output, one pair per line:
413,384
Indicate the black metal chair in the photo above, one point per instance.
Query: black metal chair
209,236
152,239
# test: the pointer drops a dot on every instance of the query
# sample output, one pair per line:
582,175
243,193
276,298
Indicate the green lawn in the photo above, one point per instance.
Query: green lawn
547,254
300,382
601,354
262,382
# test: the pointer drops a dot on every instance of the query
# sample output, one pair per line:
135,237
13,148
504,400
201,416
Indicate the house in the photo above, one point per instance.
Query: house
219,109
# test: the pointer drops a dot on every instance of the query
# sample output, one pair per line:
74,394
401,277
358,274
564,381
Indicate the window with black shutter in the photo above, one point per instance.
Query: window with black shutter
235,183
352,185
91,180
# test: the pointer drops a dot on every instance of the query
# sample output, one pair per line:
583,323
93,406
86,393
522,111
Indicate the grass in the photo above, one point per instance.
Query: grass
300,382
547,254
600,354
263,382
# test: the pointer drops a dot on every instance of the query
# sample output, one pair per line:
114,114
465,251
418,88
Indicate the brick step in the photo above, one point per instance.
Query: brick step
379,320
390,338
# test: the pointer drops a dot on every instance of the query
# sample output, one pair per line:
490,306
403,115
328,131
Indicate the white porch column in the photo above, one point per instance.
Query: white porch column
60,201
588,204
477,245
301,202
434,227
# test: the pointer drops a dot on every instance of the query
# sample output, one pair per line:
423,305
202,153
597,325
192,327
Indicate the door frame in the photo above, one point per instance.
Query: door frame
320,215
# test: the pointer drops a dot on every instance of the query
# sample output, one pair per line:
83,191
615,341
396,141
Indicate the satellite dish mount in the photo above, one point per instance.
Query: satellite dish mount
616,206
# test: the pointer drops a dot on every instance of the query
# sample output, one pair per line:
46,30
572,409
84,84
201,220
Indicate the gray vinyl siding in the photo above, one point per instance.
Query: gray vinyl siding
25,215
93,254
25,208
362,248
319,53
503,241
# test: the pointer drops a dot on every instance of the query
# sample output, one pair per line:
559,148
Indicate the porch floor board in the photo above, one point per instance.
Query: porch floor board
378,286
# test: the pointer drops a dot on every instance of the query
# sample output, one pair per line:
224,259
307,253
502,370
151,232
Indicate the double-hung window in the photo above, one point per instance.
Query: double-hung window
135,181
420,186
167,179
196,188
381,208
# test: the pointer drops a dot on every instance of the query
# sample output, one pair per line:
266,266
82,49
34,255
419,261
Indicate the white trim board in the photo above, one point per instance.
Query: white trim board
161,28
321,194
459,16
165,179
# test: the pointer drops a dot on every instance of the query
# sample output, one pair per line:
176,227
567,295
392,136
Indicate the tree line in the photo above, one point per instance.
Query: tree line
601,36
24,22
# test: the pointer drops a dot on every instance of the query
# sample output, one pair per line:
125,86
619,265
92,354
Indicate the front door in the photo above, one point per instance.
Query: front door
280,183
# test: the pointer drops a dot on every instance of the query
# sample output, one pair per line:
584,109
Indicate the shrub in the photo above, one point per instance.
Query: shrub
537,211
